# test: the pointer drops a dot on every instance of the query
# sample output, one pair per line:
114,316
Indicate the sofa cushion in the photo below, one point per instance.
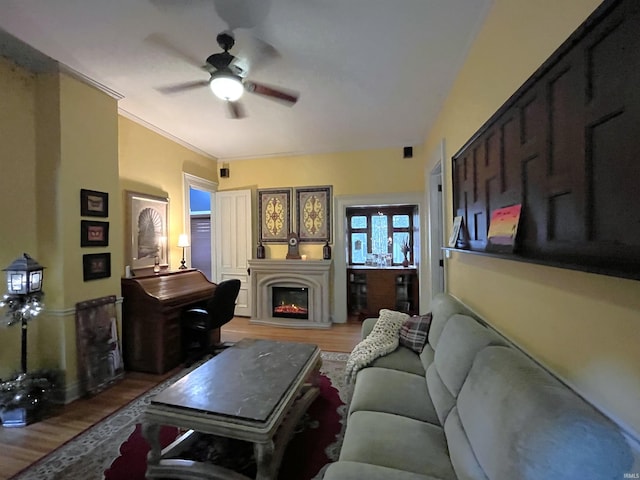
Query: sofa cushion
523,423
393,391
462,337
401,359
426,357
362,471
443,307
461,454
397,442
414,332
443,400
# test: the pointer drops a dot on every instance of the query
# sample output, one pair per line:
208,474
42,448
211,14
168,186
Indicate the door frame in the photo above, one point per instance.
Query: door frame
339,311
435,199
191,181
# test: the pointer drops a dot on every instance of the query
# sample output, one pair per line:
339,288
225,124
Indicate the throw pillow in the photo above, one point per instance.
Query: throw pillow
414,332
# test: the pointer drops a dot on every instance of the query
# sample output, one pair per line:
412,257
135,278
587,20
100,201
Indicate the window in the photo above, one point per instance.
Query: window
377,235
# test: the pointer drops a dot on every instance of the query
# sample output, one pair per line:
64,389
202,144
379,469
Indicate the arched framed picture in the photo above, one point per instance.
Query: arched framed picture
147,230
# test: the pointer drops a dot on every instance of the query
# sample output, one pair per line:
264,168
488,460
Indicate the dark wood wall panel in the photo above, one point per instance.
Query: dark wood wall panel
566,146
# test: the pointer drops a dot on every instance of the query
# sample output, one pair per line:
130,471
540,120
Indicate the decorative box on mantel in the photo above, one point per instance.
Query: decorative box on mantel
290,293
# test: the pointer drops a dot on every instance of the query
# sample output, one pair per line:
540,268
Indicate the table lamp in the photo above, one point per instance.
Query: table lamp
183,241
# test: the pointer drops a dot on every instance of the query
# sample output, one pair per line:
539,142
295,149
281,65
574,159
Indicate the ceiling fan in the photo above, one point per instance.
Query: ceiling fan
227,80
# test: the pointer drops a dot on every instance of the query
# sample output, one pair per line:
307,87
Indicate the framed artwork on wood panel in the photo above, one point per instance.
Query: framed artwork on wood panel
274,213
314,213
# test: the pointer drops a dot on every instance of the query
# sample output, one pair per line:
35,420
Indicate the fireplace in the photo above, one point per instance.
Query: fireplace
290,293
290,302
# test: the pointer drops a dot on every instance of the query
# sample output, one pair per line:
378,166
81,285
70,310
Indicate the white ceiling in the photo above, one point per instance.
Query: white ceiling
370,73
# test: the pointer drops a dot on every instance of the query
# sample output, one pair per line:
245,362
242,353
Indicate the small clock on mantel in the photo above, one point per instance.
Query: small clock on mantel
293,251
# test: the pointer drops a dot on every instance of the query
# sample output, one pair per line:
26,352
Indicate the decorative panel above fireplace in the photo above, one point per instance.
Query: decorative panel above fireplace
566,147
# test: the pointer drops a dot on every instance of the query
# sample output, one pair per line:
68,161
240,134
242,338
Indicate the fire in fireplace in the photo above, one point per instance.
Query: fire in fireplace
290,302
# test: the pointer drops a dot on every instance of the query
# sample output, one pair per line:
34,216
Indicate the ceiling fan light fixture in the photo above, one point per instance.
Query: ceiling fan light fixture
226,86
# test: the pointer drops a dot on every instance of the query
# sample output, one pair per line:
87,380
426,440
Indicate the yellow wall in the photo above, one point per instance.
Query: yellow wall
585,327
351,173
152,164
18,225
80,153
58,135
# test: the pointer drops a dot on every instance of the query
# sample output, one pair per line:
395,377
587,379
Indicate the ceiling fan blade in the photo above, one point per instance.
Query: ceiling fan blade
175,5
183,87
287,97
235,110
242,13
254,45
163,43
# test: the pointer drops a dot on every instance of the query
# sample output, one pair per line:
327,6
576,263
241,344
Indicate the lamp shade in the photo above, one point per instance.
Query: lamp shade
226,86
24,276
183,240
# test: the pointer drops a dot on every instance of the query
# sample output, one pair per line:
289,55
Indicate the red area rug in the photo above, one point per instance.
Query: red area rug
304,457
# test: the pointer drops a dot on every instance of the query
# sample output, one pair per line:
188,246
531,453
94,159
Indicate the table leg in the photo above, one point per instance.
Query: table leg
264,460
151,433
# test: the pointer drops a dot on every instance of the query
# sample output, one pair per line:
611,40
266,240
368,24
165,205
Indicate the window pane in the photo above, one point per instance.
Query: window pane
359,221
379,234
398,239
358,247
400,221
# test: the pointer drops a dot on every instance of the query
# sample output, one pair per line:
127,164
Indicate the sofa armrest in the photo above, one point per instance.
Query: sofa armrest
367,326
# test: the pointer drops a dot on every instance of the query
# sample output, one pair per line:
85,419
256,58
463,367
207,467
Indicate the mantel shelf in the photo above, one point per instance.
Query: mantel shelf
628,271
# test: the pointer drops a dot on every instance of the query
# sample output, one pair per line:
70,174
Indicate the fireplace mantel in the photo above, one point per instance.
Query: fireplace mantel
312,274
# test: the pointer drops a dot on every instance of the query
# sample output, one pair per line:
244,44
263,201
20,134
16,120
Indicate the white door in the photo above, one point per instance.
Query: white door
232,220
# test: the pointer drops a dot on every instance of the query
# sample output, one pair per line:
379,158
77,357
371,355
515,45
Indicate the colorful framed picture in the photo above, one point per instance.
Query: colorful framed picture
503,228
147,228
94,234
274,213
314,213
93,203
96,265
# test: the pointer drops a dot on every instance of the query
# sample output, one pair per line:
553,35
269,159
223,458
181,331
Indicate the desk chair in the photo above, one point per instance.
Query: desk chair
198,323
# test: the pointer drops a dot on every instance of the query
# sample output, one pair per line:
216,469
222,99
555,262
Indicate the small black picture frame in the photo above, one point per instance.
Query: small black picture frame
96,265
94,203
94,233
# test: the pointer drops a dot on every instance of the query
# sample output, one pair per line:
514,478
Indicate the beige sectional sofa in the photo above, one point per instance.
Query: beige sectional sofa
471,406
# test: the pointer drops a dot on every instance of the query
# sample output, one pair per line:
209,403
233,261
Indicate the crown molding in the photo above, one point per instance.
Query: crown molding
89,81
164,133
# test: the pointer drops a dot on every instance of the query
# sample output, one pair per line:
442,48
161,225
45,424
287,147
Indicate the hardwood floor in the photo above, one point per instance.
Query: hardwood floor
20,447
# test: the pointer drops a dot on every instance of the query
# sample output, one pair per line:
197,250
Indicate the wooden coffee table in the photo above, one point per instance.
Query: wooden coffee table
255,391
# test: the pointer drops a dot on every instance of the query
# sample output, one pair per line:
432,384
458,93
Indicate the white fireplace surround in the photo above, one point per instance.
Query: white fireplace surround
310,274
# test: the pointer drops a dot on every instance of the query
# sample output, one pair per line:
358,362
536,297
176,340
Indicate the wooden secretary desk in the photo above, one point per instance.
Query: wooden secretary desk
151,310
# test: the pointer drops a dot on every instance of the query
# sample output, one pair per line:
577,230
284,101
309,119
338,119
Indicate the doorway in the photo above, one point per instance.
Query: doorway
435,198
436,259
340,260
198,202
